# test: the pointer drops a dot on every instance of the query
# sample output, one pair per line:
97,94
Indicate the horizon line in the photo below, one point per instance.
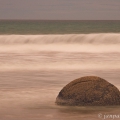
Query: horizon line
61,19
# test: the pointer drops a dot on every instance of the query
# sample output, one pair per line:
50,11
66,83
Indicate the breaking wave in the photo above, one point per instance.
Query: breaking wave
60,52
101,38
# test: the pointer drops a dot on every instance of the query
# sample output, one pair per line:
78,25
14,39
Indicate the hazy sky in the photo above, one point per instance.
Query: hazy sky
60,9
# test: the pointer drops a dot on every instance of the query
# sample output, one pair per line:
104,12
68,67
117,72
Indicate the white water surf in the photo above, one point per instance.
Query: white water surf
34,68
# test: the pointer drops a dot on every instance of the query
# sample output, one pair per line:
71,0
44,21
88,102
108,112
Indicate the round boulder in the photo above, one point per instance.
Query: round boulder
89,91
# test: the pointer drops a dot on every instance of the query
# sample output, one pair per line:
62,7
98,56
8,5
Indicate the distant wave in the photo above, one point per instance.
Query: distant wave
60,52
98,39
104,42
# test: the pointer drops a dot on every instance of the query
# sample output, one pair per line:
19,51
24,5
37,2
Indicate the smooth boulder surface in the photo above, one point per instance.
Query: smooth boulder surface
89,91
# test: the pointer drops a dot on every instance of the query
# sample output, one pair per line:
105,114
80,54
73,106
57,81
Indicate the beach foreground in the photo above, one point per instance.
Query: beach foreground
30,95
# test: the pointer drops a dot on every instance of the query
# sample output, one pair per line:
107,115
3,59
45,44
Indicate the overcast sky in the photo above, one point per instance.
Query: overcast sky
60,9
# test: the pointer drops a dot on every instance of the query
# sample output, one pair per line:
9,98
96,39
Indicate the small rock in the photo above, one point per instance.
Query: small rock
89,91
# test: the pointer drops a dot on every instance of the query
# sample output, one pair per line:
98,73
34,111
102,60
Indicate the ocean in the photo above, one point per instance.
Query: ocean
38,58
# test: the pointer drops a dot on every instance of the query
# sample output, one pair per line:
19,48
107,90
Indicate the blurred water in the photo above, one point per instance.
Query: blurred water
32,74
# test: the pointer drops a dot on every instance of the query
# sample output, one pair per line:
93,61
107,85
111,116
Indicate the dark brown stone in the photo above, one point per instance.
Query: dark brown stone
89,91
